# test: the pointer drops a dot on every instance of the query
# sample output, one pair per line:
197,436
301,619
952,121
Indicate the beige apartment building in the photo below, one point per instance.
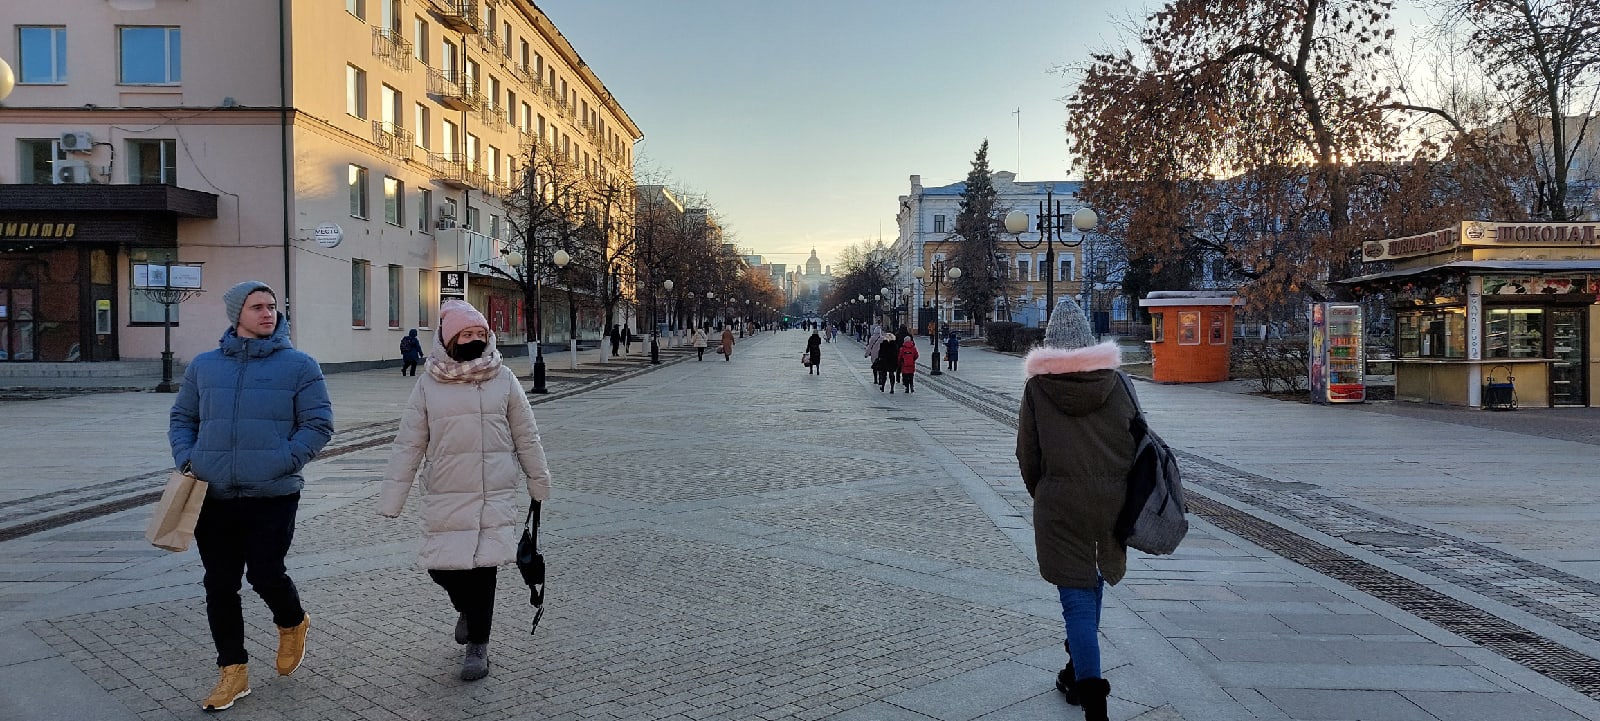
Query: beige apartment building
351,154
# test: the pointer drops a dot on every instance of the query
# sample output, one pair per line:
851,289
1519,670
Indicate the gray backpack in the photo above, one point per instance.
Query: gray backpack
1152,516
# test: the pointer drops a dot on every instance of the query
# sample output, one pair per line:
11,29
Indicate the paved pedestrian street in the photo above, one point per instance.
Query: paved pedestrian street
741,540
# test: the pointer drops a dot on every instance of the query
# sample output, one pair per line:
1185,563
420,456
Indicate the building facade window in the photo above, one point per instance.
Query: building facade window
419,27
150,56
389,16
938,224
421,126
1065,269
493,165
424,297
358,192
355,91
36,160
153,162
472,152
391,107
447,140
524,118
472,218
1022,269
43,56
394,193
357,8
396,276
425,210
511,107
360,280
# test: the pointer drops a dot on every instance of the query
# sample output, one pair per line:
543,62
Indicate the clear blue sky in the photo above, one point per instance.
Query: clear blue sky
802,121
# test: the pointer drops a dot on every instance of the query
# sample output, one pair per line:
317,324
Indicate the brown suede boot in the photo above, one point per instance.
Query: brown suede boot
292,646
232,686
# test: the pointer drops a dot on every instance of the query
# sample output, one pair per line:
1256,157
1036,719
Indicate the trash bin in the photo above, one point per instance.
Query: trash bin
1499,396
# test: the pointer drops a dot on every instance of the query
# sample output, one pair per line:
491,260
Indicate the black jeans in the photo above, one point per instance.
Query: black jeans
472,594
408,368
249,538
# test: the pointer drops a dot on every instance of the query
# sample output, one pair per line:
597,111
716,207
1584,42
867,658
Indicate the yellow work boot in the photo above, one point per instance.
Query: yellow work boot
292,646
234,685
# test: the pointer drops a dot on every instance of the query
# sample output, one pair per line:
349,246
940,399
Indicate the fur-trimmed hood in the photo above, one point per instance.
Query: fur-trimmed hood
1052,361
1078,381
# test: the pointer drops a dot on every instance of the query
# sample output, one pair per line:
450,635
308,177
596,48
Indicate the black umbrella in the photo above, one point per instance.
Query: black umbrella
531,563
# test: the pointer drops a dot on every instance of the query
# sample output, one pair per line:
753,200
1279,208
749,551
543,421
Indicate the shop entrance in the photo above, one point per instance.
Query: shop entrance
18,332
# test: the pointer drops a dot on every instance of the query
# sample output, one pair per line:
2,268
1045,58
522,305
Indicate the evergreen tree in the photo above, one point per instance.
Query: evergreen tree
977,228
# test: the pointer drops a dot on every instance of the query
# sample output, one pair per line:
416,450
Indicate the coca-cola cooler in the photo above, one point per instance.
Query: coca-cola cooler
1338,358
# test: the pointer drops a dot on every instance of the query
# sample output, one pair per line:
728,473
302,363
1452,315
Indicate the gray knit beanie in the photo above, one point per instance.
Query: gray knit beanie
1069,329
233,300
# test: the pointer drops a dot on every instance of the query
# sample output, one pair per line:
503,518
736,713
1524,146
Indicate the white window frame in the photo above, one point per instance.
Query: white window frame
172,75
357,183
355,91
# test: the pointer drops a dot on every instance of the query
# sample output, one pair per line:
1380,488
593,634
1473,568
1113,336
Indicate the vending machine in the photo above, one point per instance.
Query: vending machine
1338,358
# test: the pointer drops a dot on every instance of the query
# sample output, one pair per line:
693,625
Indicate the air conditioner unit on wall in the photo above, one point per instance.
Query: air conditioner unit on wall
71,172
445,223
77,141
447,211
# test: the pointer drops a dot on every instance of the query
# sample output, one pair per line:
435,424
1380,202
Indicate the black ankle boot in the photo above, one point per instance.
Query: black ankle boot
1093,692
1066,677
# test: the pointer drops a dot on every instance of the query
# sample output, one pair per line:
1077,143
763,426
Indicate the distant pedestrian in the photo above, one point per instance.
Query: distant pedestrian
627,339
614,334
814,349
952,348
908,363
470,420
248,417
410,353
698,340
726,349
1075,451
886,366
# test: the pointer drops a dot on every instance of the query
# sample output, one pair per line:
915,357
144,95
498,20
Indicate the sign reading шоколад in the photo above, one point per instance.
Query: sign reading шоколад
1477,233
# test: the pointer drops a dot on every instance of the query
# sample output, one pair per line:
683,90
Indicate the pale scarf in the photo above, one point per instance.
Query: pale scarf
445,369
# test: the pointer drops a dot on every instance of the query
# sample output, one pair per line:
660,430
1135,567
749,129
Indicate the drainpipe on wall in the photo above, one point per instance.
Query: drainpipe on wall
283,132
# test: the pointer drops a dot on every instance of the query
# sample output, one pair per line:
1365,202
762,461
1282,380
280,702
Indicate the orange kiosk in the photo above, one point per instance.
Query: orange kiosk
1191,332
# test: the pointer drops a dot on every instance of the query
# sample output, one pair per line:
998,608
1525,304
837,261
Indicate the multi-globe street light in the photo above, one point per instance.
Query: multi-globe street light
1050,224
559,258
941,270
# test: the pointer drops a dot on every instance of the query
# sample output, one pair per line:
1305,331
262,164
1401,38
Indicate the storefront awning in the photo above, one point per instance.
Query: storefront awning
1480,267
69,198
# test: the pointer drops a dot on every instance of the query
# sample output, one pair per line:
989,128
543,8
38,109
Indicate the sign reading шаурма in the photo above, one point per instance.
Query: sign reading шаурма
1478,233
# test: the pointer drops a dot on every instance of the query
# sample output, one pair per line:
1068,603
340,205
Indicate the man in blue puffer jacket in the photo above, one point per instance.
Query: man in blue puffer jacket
249,416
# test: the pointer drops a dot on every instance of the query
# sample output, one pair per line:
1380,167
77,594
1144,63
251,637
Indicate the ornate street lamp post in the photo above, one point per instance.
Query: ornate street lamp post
160,285
655,348
560,258
941,270
1050,225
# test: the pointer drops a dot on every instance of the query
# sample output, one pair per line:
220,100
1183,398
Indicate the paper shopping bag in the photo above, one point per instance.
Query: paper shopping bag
172,526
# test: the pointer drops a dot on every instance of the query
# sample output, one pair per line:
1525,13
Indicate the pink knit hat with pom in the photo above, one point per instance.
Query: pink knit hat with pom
457,315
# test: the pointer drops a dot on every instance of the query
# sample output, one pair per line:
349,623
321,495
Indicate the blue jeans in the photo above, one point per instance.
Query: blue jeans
1080,609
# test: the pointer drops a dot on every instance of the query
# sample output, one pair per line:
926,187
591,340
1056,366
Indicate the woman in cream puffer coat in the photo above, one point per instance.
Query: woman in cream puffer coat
469,426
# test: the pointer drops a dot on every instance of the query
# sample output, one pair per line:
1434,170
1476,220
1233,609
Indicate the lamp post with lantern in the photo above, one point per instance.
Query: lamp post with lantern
559,259
1050,224
940,270
655,328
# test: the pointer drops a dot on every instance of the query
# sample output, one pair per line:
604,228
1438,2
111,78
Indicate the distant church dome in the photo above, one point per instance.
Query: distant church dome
813,266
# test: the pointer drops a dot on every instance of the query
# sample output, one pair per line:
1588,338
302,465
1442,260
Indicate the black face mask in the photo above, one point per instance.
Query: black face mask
469,350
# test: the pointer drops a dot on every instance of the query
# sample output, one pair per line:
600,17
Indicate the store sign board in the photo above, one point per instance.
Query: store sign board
1475,318
1476,233
1438,241
452,284
32,231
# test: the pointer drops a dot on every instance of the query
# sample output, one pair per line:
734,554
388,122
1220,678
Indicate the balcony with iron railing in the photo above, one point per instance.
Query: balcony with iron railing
492,116
392,48
458,15
393,140
454,170
453,89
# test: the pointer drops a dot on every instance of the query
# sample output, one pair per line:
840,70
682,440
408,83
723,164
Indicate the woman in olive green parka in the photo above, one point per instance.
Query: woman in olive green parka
1074,449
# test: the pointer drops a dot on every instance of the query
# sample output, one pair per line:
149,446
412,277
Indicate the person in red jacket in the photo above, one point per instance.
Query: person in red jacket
908,362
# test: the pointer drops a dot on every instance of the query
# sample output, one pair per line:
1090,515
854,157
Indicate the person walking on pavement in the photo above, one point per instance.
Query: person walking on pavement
248,417
814,349
726,349
627,340
1074,450
410,353
952,348
698,340
614,334
470,420
886,367
908,363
